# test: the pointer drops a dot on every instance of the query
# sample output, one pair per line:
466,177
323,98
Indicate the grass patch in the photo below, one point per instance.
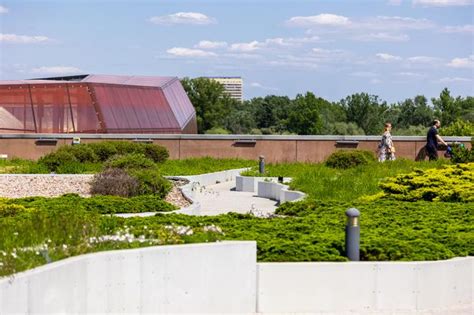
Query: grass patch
196,166
325,183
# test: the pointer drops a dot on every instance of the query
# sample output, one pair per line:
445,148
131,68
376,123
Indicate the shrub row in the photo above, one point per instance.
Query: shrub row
71,159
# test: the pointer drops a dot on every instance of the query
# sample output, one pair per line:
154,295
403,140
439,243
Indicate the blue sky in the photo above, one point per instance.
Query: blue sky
394,49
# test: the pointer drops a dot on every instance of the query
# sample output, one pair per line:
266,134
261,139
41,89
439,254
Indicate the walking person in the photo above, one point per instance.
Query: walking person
386,147
432,139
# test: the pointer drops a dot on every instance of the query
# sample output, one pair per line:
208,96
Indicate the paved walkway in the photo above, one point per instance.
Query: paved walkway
222,198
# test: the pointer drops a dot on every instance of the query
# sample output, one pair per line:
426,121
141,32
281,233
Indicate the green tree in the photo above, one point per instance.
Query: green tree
304,117
366,111
450,109
211,102
413,112
271,112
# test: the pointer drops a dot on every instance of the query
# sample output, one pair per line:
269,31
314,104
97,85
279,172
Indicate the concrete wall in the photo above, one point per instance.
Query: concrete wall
268,187
376,287
274,148
225,278
202,278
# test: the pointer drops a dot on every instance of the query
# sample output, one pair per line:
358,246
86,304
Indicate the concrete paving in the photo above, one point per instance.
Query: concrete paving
222,198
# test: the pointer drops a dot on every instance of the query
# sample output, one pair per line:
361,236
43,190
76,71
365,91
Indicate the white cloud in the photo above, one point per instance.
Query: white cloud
364,74
56,70
409,74
22,39
442,3
260,86
384,37
455,79
394,2
206,44
194,18
468,28
387,57
243,56
375,81
187,52
272,43
423,59
3,9
324,19
394,23
462,62
245,47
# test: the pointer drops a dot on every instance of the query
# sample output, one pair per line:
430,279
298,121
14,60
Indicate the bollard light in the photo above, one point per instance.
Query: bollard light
261,164
352,234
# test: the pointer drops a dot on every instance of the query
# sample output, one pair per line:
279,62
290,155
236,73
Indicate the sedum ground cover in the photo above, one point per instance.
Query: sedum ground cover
34,231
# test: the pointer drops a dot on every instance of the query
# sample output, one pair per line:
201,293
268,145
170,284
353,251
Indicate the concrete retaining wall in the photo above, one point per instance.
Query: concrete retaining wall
268,187
376,287
225,278
203,278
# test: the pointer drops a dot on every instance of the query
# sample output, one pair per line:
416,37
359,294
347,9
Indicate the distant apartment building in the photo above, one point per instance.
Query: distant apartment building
232,85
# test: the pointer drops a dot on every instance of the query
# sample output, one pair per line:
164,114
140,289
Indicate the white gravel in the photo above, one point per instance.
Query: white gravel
48,185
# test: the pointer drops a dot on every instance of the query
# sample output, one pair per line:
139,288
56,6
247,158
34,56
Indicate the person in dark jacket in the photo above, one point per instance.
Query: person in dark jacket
432,139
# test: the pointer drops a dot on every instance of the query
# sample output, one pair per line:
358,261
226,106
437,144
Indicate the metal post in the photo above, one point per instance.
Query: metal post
352,234
261,164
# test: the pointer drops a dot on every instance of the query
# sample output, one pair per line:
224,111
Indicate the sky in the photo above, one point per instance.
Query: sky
395,49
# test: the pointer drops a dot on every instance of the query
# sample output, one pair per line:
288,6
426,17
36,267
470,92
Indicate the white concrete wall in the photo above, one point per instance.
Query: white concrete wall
201,278
291,195
376,287
277,191
225,278
268,187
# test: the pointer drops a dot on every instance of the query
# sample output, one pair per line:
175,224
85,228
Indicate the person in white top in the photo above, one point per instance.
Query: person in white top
386,147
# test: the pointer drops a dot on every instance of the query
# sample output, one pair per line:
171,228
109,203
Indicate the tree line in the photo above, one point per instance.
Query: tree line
308,114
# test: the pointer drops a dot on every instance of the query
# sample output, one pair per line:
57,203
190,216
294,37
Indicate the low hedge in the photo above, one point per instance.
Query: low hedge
343,159
71,159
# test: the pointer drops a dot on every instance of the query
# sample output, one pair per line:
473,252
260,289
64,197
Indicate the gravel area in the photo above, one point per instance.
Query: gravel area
49,185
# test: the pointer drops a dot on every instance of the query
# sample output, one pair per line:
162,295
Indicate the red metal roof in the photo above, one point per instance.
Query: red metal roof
98,104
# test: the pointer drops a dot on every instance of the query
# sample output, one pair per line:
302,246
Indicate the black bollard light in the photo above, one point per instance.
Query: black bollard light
352,234
261,164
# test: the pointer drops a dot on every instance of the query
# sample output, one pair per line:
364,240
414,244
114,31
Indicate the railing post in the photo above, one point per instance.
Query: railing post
261,164
352,234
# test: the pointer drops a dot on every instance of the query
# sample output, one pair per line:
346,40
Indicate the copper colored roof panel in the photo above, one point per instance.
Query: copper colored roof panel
97,104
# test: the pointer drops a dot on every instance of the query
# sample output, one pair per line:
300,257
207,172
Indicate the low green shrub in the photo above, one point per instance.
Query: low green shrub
114,181
10,210
103,150
82,152
56,159
462,154
151,182
98,203
453,183
344,159
129,161
156,153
